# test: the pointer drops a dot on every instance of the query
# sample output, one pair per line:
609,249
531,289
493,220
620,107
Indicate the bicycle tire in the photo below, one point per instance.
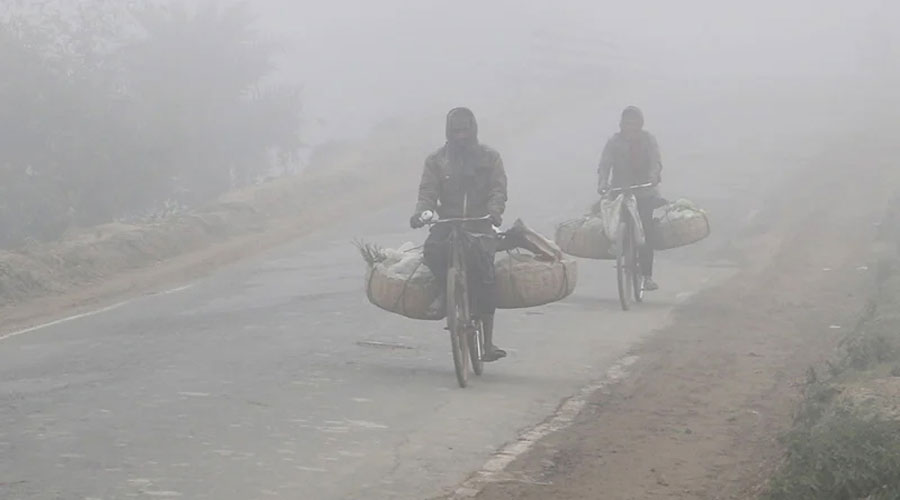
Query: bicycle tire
637,276
476,348
455,325
622,278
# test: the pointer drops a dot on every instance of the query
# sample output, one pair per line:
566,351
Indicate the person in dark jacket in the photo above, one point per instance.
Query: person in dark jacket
465,179
631,157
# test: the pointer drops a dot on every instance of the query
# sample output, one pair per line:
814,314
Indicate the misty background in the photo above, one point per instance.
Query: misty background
128,111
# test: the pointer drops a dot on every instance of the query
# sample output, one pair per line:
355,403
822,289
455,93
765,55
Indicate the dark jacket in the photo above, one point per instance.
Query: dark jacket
627,162
470,185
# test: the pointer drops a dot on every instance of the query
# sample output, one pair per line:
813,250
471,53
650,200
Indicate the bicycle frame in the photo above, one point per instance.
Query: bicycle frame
465,334
629,237
630,214
459,270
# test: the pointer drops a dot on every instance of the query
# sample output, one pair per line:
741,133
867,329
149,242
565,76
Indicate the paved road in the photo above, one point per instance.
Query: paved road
274,378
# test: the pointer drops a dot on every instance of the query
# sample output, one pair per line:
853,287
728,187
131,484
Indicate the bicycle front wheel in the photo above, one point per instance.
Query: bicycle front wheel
456,324
623,266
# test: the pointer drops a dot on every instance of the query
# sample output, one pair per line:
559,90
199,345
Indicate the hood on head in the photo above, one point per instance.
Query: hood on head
633,111
462,115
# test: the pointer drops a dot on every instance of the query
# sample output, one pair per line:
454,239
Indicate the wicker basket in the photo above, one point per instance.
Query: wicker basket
524,281
408,292
586,238
678,228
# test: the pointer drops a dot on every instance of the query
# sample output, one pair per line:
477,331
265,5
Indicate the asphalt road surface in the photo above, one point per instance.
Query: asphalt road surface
275,378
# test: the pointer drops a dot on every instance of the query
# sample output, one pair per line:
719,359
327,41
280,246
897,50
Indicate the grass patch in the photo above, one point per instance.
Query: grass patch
842,457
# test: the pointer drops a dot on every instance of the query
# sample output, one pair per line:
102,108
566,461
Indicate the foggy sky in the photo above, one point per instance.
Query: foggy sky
361,60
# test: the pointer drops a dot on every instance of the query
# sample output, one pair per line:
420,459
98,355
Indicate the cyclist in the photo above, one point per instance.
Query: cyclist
465,179
631,157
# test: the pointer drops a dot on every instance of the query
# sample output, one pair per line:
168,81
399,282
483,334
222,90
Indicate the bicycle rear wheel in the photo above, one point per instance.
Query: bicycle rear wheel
637,275
476,348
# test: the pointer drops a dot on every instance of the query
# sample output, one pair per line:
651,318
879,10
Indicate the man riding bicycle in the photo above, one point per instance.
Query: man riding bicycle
465,179
631,157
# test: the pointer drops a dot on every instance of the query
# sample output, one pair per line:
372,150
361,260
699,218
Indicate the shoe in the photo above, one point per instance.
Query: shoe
493,353
649,285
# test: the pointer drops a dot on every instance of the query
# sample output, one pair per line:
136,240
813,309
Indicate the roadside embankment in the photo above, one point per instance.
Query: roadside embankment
90,265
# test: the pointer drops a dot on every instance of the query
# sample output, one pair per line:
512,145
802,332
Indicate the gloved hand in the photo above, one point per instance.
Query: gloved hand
602,189
417,221
496,220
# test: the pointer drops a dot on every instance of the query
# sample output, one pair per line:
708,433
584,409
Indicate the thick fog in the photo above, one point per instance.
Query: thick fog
363,61
198,97
185,315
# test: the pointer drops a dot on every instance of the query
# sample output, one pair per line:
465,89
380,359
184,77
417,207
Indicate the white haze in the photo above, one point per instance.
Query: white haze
362,61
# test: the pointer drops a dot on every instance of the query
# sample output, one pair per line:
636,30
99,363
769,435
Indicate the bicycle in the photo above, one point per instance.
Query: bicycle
628,240
466,332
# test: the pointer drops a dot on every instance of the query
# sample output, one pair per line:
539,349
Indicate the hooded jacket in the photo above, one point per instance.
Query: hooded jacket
463,182
628,161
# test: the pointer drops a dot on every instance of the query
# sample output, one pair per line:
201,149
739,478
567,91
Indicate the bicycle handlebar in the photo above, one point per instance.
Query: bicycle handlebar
459,219
628,188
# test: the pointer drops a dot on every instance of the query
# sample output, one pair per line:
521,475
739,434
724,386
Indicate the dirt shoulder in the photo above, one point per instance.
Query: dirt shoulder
701,414
845,439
